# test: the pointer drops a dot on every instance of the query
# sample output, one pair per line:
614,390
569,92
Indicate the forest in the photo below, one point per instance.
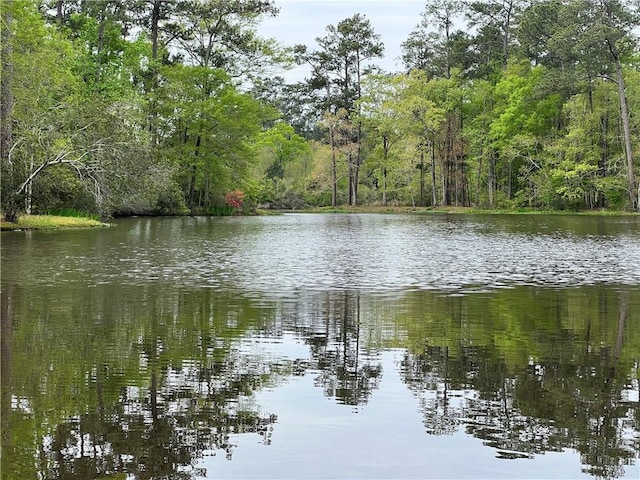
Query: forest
156,107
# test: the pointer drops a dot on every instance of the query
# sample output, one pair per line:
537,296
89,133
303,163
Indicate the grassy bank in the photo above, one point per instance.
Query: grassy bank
50,222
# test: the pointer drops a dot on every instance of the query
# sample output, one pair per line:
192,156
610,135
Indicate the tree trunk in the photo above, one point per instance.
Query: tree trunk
510,178
101,25
59,4
461,167
6,79
358,153
192,181
153,107
334,179
334,162
422,178
624,112
334,169
350,182
507,30
492,183
434,195
600,200
29,191
447,163
354,188
479,176
10,206
384,187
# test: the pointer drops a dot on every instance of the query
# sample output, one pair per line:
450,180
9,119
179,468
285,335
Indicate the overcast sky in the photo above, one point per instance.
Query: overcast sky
302,21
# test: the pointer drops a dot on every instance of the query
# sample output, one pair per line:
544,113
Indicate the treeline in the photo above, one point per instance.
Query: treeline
157,107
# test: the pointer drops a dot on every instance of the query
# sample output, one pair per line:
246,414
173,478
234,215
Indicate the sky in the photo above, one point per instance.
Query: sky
302,21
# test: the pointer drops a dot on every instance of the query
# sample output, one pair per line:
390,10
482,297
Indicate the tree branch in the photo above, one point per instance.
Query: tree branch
59,160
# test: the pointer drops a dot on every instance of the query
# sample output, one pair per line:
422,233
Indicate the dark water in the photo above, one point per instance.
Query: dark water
323,346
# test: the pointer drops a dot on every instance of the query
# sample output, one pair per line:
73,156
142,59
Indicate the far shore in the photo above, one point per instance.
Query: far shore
457,210
58,222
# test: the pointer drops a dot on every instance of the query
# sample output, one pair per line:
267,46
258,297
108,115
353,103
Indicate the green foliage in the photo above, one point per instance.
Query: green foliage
221,211
282,146
518,109
86,92
523,108
209,127
60,189
283,155
71,212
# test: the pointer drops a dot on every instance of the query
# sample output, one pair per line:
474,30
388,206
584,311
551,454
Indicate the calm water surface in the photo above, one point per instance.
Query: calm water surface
323,346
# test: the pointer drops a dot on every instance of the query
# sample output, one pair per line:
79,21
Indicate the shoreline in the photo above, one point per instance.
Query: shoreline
58,222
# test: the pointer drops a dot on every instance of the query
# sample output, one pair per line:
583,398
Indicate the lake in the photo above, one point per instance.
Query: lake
323,346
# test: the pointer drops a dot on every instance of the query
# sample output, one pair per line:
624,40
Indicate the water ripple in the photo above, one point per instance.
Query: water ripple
324,252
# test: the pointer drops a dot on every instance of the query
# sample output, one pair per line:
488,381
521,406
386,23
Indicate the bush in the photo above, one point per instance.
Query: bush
72,212
58,189
170,201
221,211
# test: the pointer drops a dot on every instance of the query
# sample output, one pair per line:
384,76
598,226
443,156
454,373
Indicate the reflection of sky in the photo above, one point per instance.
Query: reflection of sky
287,346
314,437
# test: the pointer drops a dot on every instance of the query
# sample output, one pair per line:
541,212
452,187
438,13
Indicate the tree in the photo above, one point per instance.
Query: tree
6,108
422,119
281,147
437,52
41,65
159,13
345,49
299,106
582,167
379,116
496,21
591,41
70,119
339,133
519,113
538,24
209,129
221,34
608,35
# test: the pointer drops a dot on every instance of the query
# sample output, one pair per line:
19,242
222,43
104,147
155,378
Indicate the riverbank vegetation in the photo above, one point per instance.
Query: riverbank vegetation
50,222
55,222
154,107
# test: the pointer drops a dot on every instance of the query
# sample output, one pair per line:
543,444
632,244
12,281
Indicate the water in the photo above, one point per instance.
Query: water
323,346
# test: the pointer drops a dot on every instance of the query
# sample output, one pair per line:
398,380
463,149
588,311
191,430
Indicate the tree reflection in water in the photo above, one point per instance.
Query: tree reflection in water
567,396
148,387
346,371
160,431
